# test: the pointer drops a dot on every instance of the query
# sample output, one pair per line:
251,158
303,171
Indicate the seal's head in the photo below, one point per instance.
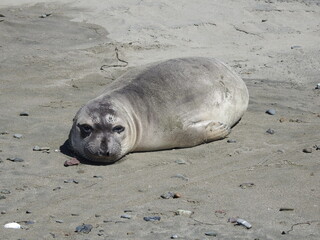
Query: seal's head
100,132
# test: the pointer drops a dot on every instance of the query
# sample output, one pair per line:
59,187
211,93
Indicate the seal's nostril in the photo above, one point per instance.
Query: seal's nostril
108,154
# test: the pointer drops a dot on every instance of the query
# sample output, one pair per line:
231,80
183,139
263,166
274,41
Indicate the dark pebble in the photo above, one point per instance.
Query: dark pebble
84,228
25,114
286,209
212,234
152,219
307,150
295,47
57,188
5,191
97,176
2,197
231,141
246,185
175,236
4,133
1,15
271,111
97,215
3,212
16,159
177,195
126,216
28,212
270,131
29,222
59,221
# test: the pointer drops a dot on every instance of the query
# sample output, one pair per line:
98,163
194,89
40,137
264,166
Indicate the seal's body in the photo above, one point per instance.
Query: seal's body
172,104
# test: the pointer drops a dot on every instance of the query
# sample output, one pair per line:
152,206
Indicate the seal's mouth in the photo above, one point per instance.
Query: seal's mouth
101,159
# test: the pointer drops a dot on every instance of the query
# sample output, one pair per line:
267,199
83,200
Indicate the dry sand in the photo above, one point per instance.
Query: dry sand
50,66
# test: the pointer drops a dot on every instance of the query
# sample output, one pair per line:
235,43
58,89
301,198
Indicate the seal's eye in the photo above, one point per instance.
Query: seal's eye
85,129
118,129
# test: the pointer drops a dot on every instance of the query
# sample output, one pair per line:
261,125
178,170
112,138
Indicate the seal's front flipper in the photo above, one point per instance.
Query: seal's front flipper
215,131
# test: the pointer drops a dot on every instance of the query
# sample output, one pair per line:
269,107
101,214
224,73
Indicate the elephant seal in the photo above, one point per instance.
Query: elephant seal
176,103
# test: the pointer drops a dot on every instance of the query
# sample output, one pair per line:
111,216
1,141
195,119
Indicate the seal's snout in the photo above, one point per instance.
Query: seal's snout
103,153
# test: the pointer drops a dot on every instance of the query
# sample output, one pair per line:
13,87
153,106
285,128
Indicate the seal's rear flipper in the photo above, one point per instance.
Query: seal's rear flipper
215,131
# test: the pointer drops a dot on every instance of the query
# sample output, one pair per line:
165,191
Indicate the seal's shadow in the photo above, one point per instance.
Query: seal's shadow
65,149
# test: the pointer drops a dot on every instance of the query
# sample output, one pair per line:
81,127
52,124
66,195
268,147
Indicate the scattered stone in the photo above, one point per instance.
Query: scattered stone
152,219
84,228
24,114
271,111
70,181
3,212
270,131
29,222
75,214
317,147
4,133
5,191
97,215
17,135
318,86
211,234
28,212
127,210
59,221
244,223
307,150
295,120
2,197
282,120
97,176
57,188
264,20
1,15
180,161
232,220
246,185
286,209
126,216
295,47
12,225
37,148
177,195
16,159
71,162
167,195
181,177
175,236
45,15
231,141
184,212
75,181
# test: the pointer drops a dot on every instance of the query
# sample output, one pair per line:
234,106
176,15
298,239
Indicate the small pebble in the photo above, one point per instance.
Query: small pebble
295,47
97,215
17,135
318,86
28,212
71,162
286,209
5,191
152,219
246,185
167,195
57,188
270,131
181,177
175,236
25,114
212,234
37,148
271,111
4,133
231,141
45,15
244,223
13,225
29,222
75,214
307,150
184,212
127,216
97,176
2,197
180,161
59,221
84,228
16,159
177,195
3,212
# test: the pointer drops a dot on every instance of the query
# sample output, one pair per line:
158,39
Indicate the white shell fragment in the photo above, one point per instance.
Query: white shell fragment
13,225
184,212
244,223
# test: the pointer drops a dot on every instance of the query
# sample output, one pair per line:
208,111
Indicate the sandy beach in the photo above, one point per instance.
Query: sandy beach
51,53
